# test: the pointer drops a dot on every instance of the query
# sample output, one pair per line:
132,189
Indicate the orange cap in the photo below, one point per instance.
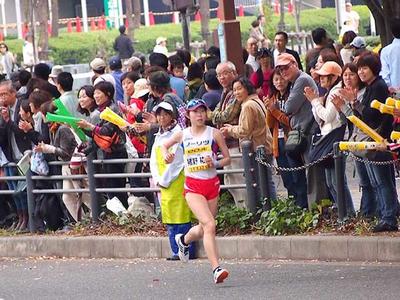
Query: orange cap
285,59
330,68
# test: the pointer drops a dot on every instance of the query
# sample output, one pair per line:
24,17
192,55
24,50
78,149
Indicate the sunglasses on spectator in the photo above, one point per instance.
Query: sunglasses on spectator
283,68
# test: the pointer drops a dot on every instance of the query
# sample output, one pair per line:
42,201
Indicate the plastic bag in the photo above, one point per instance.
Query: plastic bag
39,164
116,206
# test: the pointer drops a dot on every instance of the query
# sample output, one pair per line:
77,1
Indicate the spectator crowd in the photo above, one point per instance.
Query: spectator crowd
274,98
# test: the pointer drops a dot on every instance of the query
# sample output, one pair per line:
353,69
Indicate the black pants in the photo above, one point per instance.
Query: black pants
116,182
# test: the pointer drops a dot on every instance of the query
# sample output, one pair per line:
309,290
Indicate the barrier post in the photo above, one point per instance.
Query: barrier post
263,174
249,165
31,200
339,174
94,203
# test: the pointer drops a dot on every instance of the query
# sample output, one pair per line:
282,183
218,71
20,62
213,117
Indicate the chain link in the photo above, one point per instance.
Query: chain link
370,162
310,164
306,166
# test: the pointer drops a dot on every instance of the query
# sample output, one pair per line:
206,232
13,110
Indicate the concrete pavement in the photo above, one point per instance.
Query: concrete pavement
323,247
160,279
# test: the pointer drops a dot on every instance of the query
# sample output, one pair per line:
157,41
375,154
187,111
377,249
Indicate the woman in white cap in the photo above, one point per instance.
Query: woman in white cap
331,126
200,144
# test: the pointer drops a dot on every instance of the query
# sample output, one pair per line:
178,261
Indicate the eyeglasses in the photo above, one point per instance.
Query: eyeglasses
195,103
223,74
283,68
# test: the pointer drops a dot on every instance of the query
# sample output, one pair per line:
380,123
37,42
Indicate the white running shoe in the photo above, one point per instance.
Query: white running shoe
183,252
220,275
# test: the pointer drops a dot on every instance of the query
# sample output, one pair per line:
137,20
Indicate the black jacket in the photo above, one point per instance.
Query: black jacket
7,128
123,44
382,123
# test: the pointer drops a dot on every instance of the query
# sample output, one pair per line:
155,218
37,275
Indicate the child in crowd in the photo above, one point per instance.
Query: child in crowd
174,209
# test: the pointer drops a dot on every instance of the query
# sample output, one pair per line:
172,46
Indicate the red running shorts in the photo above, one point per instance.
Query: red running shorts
209,188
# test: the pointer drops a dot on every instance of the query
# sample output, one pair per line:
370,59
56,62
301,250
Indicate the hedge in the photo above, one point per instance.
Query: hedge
82,47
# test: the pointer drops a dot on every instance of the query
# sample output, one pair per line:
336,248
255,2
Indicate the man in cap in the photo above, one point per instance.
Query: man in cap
351,17
298,108
161,46
133,64
98,67
358,43
123,44
116,72
55,70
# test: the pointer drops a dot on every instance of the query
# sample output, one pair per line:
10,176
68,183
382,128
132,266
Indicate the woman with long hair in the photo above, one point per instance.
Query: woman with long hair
278,123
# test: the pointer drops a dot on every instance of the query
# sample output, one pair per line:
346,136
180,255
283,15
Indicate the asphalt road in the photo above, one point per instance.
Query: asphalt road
159,279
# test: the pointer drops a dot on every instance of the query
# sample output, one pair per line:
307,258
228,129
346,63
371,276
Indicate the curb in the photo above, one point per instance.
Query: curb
326,248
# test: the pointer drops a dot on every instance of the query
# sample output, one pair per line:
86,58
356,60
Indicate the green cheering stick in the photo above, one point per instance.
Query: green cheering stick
62,115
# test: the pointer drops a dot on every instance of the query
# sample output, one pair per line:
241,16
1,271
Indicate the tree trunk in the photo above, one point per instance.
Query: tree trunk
54,21
205,20
128,5
136,12
41,11
382,14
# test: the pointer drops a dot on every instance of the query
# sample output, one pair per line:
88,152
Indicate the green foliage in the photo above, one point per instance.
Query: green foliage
285,217
231,219
82,47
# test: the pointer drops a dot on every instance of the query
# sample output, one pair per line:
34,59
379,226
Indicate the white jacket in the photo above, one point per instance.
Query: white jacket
327,116
173,169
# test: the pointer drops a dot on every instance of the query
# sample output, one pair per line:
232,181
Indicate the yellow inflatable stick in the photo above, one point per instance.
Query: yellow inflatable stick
358,146
393,102
114,118
366,129
383,108
395,135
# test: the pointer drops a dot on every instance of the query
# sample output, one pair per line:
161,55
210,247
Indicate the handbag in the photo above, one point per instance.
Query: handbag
105,142
39,164
322,145
297,139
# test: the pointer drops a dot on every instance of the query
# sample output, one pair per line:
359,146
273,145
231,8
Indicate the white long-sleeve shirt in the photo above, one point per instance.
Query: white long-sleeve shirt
327,116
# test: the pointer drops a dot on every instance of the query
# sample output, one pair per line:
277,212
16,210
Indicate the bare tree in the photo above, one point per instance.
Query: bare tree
382,12
54,19
205,20
128,5
136,12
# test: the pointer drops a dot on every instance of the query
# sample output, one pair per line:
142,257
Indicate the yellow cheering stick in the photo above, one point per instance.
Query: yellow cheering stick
112,117
367,130
383,108
393,102
395,135
358,146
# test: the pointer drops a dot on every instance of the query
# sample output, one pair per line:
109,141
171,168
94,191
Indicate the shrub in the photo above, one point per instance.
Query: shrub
231,219
285,217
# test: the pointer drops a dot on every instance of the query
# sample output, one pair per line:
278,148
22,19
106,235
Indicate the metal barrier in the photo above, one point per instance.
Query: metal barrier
92,189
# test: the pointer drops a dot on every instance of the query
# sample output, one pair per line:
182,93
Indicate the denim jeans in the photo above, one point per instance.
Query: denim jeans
270,181
287,177
174,229
299,180
382,181
368,199
332,186
20,198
